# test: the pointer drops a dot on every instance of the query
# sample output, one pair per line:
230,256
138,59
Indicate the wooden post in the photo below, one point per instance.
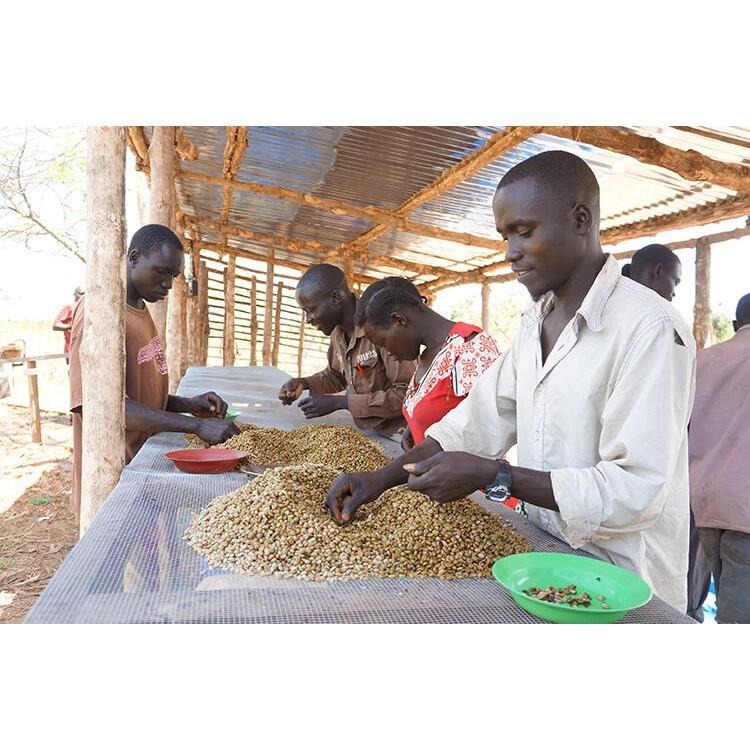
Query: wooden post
103,345
193,323
485,306
702,314
301,348
229,279
36,422
203,313
162,159
184,332
349,270
268,311
277,326
253,322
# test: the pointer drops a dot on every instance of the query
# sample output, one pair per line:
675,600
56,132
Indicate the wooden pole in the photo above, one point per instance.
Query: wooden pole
268,310
301,348
162,165
193,323
229,279
203,313
103,345
175,331
702,314
36,422
486,306
184,332
277,326
253,322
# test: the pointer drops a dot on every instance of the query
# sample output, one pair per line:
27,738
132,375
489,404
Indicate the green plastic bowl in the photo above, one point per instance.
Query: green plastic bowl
622,590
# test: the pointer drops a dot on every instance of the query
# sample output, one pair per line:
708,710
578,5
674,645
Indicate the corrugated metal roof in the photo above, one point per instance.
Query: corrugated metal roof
385,166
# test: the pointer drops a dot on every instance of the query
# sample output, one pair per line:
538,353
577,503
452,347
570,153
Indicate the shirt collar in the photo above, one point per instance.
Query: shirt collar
592,307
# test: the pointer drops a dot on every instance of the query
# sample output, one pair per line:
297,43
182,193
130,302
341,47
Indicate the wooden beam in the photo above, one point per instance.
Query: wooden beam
229,279
730,208
268,311
702,314
203,312
690,165
277,324
186,149
301,346
321,253
102,350
262,257
486,306
139,147
36,421
342,208
253,322
162,160
468,166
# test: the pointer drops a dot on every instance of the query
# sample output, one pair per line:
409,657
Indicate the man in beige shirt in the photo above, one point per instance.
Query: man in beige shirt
376,381
596,391
719,466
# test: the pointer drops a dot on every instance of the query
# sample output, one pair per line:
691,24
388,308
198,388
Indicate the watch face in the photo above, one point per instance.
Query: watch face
498,493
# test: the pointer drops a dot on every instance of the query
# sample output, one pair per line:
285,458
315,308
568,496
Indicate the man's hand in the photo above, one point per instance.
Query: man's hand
292,390
207,405
450,476
349,491
407,440
215,431
319,406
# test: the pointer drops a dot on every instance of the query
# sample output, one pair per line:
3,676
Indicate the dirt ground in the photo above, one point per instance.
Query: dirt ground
37,527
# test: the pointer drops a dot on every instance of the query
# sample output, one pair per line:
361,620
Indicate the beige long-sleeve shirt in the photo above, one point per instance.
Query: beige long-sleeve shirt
377,381
719,433
607,416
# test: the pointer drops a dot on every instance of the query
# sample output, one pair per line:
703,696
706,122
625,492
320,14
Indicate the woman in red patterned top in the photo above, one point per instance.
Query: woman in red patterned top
395,316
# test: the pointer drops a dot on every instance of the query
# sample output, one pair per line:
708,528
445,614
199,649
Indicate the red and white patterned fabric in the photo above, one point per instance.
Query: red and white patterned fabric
450,377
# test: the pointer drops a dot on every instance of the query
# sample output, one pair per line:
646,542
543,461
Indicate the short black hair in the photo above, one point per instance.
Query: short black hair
383,297
563,173
626,270
323,278
651,255
742,315
151,237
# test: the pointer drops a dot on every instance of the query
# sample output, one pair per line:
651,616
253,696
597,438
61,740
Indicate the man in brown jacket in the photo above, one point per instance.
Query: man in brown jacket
375,382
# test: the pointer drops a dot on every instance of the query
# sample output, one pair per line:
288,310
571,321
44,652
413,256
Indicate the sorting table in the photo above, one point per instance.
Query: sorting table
132,565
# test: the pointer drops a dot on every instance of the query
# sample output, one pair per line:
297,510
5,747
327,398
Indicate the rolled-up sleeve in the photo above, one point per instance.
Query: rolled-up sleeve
329,380
386,402
484,423
644,425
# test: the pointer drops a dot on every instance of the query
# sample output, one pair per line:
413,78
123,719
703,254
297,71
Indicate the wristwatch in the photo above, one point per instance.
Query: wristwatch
499,489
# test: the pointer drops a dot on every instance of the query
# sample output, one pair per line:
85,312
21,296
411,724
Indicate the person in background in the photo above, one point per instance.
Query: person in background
596,391
719,467
394,316
64,320
376,382
154,259
657,268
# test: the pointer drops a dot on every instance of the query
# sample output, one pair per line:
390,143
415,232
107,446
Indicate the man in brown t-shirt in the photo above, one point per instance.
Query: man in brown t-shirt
376,381
155,258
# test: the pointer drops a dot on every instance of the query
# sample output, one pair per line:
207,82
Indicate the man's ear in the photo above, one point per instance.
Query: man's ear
336,296
398,318
583,217
133,257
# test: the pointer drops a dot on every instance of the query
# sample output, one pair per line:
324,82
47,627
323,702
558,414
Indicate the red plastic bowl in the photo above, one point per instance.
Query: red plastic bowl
206,460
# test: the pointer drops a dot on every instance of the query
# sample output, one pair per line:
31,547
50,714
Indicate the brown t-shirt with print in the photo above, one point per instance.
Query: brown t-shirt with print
146,379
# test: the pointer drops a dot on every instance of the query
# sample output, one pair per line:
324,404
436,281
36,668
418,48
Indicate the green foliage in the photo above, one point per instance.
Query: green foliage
40,500
721,328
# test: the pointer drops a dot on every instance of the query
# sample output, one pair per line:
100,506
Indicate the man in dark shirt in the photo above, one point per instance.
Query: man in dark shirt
375,381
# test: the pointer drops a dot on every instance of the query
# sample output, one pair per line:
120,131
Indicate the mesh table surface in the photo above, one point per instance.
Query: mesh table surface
132,565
